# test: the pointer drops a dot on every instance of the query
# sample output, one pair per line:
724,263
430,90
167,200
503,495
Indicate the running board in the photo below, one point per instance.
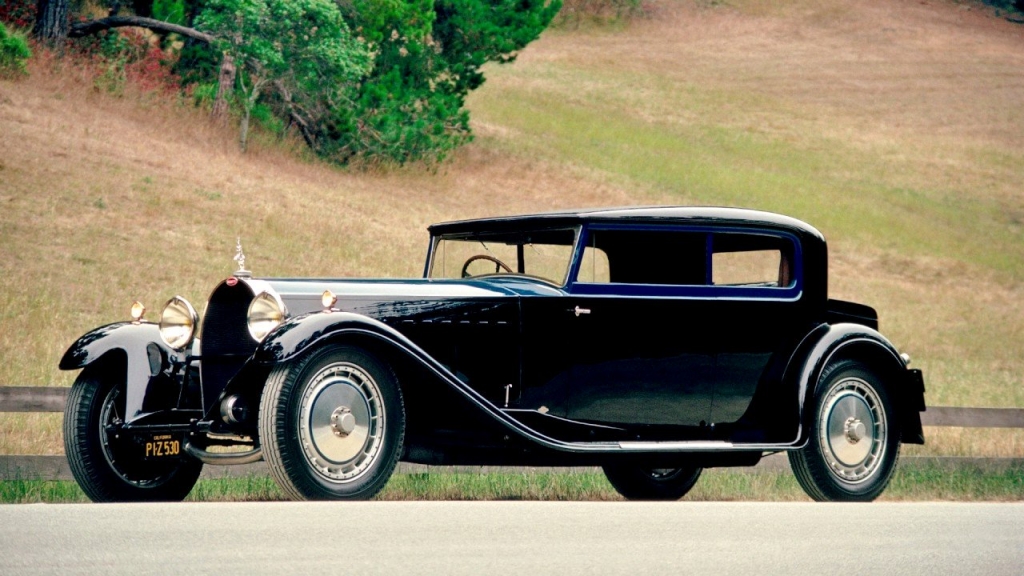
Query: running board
700,446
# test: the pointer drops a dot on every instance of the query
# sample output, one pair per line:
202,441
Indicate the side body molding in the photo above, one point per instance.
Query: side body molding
301,333
828,343
145,358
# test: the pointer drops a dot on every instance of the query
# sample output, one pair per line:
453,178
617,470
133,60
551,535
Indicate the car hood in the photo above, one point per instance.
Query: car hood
301,295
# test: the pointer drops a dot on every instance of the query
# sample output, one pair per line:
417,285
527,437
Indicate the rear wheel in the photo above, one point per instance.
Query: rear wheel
854,444
638,483
108,467
332,424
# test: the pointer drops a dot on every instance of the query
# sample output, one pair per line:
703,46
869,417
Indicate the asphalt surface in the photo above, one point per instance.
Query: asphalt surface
512,538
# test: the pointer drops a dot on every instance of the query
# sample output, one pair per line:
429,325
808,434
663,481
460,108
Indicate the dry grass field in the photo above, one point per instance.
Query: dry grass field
896,128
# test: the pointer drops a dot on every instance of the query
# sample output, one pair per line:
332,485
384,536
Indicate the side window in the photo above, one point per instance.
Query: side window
751,260
651,256
665,257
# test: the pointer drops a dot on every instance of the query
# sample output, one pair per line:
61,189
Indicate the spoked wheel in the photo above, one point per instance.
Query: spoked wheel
854,444
332,425
638,483
110,468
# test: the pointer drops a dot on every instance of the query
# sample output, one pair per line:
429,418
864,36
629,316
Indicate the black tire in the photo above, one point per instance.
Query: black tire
854,437
332,424
106,468
637,483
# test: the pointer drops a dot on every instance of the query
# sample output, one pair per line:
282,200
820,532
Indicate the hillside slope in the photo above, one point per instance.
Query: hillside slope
897,129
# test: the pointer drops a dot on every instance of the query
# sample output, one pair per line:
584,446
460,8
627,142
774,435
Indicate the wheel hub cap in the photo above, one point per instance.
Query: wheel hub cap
341,423
853,430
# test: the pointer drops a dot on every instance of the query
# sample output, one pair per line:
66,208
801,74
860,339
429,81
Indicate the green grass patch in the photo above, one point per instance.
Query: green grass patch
720,485
499,486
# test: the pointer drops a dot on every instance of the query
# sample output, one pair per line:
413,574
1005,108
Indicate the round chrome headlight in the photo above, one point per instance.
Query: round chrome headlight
266,312
178,323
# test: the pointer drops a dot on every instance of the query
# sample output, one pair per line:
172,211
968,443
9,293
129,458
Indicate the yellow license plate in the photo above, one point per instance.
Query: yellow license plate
161,446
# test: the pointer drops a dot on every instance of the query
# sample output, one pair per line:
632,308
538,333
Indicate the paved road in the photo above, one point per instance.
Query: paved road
512,538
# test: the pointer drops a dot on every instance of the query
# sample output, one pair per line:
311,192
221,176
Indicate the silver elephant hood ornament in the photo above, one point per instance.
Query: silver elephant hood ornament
240,258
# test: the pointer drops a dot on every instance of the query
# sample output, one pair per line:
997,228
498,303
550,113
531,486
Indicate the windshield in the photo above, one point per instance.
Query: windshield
543,254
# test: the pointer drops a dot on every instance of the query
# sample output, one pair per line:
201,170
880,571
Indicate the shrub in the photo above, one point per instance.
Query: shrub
126,58
14,53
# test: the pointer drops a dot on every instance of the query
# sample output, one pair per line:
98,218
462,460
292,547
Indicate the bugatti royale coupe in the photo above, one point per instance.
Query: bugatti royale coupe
649,342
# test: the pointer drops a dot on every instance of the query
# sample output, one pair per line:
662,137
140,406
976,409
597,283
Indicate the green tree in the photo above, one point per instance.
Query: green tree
427,57
302,49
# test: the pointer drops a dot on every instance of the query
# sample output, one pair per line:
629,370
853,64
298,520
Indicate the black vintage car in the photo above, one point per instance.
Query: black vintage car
653,342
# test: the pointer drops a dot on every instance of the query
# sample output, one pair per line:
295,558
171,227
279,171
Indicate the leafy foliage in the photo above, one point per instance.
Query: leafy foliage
1008,5
427,57
301,48
364,80
126,58
172,11
14,53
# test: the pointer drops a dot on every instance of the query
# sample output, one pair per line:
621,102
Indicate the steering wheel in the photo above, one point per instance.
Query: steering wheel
498,264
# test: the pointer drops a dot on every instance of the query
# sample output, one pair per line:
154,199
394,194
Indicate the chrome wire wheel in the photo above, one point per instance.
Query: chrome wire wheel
109,468
109,418
852,431
341,422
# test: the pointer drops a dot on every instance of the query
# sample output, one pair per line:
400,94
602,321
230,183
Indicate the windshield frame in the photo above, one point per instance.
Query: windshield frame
488,235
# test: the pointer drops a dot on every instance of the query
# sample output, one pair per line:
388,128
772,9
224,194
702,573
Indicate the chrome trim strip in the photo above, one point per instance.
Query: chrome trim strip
696,446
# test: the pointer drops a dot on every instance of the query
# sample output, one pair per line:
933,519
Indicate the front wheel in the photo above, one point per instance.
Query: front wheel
110,468
854,444
332,424
638,483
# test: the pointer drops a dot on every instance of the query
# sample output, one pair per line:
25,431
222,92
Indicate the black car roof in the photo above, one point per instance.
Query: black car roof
717,216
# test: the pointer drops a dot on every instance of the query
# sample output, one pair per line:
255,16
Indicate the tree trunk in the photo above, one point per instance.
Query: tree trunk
225,83
294,117
52,22
243,132
243,136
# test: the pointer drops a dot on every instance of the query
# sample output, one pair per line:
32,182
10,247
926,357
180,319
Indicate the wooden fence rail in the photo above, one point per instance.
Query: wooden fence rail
52,399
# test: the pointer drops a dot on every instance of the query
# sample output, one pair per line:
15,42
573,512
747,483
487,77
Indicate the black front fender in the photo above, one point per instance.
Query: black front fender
302,333
141,352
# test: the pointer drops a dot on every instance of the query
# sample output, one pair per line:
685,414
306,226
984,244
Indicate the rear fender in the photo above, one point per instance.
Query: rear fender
833,343
136,352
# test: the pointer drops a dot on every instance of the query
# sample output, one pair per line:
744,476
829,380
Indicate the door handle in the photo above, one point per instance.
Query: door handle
577,310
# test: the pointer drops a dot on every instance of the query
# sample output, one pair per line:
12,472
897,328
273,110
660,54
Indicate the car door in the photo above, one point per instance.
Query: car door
641,355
